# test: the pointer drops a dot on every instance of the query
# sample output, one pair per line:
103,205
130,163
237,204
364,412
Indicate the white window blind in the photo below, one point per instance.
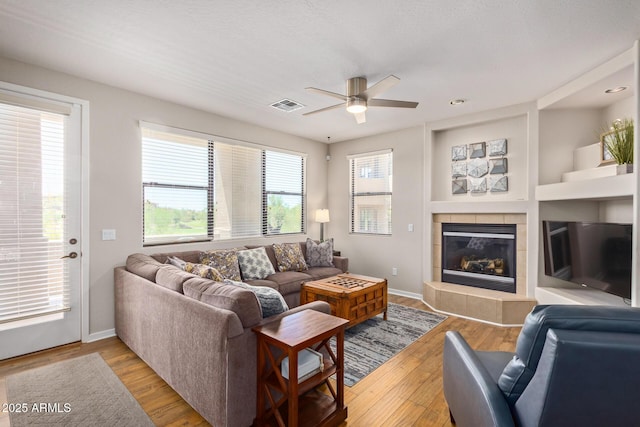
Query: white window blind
33,277
371,187
238,191
200,187
284,192
175,184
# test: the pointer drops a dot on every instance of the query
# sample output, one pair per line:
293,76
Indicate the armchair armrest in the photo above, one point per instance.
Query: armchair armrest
473,397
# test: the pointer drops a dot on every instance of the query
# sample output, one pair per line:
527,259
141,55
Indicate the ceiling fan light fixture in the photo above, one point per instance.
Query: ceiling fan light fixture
356,105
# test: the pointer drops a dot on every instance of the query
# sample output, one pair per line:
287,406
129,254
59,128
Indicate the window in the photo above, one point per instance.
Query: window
283,192
175,187
371,176
198,187
33,278
238,191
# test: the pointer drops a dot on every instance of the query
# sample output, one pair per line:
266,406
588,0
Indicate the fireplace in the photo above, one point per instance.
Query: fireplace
480,255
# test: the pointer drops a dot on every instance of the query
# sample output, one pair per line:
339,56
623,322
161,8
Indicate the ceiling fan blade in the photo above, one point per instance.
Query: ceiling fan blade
342,104
391,103
383,85
360,117
328,93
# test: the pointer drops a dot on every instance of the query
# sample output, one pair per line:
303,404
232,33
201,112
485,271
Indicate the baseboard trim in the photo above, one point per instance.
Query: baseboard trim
471,318
401,293
97,336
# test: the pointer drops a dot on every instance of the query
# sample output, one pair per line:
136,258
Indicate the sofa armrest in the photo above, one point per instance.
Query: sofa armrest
473,397
583,378
342,263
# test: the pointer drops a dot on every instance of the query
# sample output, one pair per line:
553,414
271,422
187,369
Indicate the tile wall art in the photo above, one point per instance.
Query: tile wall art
479,167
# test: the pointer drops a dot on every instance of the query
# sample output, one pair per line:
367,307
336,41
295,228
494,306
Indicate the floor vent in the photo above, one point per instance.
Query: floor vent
287,105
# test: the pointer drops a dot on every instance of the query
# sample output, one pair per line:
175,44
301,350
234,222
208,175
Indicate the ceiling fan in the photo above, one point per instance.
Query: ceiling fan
359,98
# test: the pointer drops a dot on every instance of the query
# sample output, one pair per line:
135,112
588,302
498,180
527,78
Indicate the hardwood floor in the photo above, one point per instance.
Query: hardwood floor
405,391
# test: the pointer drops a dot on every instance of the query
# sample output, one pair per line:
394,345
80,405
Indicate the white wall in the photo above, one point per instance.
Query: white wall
115,170
514,129
376,255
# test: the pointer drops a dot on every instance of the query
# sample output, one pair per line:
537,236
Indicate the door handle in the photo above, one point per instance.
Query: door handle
71,255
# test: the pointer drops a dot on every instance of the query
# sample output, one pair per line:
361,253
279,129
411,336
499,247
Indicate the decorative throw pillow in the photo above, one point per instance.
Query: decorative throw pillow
255,264
202,270
320,254
271,301
289,257
174,260
223,260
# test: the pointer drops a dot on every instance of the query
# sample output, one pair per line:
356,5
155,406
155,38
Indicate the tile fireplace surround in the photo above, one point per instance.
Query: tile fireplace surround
495,307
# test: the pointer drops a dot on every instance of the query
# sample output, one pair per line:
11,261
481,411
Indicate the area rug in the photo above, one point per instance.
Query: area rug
78,392
372,342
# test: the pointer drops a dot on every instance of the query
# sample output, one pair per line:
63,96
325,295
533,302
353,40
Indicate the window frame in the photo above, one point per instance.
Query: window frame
266,193
356,173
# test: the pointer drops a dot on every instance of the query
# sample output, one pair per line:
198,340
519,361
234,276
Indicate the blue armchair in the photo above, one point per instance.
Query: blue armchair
573,366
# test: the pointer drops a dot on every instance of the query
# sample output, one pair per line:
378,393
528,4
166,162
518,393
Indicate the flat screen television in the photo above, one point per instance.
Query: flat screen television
591,254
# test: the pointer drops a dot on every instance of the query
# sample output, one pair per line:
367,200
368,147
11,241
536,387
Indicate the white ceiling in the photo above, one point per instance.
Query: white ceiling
236,57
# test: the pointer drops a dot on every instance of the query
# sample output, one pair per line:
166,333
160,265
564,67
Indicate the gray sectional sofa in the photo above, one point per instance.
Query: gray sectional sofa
203,348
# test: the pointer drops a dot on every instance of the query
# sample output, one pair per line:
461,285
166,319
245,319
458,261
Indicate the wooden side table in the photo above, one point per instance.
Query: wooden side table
305,405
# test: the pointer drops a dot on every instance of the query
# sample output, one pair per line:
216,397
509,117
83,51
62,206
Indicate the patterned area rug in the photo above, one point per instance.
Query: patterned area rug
373,342
78,392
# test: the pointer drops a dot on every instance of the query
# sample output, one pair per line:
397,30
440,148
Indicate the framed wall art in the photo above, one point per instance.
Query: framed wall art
478,185
459,186
497,166
459,152
458,169
498,183
477,168
497,147
477,150
605,156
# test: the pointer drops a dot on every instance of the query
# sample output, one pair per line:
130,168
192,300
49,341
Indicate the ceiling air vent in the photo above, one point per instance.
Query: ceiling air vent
287,105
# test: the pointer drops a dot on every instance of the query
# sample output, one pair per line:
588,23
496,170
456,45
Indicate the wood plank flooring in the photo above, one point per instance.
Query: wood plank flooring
405,391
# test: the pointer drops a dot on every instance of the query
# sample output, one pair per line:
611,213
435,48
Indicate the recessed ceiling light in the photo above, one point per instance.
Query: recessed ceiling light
616,89
457,101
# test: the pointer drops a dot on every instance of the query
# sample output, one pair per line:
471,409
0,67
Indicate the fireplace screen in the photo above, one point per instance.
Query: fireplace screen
480,255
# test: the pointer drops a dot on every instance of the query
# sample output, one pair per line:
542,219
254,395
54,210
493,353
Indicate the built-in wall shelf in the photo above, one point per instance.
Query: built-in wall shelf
603,188
515,206
576,295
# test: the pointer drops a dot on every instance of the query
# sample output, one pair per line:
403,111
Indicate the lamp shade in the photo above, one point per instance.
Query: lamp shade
322,215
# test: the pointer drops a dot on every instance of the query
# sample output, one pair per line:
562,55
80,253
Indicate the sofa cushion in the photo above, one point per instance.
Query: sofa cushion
289,281
143,266
187,256
323,272
254,263
223,260
289,257
319,254
178,262
171,277
205,271
271,302
242,302
263,282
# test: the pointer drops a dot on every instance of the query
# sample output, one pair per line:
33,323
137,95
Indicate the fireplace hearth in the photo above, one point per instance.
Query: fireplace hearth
480,255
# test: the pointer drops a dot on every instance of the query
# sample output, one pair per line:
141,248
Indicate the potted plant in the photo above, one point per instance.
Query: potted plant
618,141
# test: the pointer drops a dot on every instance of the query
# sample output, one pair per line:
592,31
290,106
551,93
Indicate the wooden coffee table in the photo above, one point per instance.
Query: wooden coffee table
351,296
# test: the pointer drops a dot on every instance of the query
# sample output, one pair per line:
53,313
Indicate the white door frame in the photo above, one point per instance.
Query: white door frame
84,192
